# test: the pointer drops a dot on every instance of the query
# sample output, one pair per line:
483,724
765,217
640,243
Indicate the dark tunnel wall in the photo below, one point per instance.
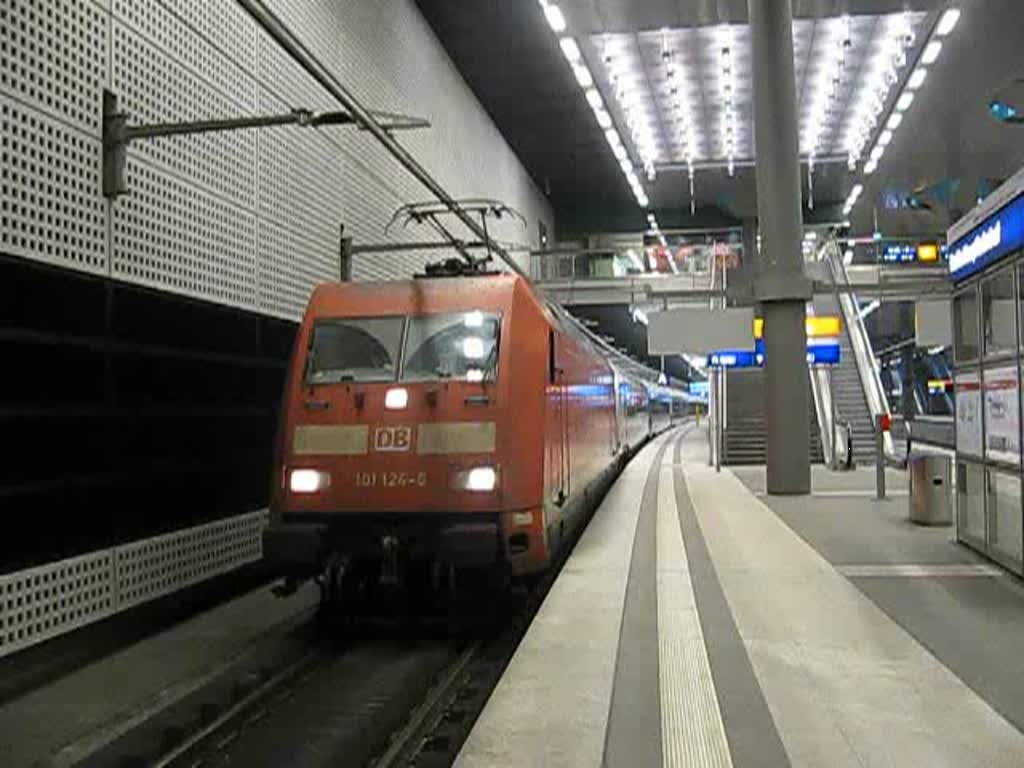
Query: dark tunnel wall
127,412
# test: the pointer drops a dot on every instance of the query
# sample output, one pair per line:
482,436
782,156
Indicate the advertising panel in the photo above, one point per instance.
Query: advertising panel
968,413
1002,414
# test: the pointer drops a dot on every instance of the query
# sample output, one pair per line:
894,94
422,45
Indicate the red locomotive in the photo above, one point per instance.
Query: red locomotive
450,422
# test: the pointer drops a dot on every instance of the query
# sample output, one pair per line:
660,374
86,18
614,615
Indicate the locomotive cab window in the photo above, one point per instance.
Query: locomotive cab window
455,345
354,349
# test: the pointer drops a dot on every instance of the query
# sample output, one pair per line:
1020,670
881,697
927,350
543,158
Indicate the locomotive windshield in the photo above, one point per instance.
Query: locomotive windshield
454,345
355,349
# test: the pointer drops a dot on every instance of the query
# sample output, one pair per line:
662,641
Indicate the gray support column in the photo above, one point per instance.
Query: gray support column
749,234
782,288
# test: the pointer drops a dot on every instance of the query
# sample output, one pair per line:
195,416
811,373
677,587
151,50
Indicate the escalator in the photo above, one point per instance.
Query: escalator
856,383
847,389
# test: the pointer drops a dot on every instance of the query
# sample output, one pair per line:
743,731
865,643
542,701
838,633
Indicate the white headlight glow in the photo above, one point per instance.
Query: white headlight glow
481,479
308,480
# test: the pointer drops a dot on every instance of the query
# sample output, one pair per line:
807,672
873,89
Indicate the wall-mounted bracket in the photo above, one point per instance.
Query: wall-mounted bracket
117,134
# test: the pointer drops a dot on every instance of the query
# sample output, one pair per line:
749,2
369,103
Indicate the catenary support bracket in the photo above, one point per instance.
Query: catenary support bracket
117,134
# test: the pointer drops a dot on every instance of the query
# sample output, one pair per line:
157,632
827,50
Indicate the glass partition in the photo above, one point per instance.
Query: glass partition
970,503
999,314
1020,304
1005,532
965,325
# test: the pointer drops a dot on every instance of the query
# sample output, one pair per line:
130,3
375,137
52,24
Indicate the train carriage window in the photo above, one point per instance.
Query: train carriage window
354,349
452,345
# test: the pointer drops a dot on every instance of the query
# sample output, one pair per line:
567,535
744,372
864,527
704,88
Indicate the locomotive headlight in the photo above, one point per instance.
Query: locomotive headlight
396,399
308,480
481,479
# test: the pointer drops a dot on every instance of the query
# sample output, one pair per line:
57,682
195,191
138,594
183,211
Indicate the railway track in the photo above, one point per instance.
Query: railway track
383,694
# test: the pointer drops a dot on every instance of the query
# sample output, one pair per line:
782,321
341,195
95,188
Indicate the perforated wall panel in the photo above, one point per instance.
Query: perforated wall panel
176,235
51,208
247,218
164,564
53,57
40,603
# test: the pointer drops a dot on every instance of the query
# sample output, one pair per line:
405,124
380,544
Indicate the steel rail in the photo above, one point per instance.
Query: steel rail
405,742
284,37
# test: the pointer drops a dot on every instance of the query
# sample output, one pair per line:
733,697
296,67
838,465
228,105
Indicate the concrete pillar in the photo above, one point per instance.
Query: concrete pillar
741,279
782,288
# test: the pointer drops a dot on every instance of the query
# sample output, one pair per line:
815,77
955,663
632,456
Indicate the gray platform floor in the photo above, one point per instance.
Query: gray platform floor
699,622
971,618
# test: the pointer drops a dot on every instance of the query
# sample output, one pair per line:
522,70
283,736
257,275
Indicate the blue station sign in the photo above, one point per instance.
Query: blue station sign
1000,234
732,358
699,389
819,352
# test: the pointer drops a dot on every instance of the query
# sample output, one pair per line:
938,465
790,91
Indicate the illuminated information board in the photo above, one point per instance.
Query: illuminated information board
1000,234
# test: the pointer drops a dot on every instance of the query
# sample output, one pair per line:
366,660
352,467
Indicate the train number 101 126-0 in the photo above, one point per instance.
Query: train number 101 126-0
391,479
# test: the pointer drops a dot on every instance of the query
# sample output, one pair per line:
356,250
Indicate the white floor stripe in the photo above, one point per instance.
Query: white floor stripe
692,731
917,571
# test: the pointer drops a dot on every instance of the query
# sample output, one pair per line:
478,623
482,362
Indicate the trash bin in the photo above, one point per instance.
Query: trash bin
931,497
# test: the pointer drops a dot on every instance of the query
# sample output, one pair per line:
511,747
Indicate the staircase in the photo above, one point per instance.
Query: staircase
848,393
745,439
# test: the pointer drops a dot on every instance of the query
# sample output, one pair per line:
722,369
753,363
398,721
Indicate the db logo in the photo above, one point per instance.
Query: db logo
392,439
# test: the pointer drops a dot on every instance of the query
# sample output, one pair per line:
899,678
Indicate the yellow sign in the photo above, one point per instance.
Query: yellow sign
927,253
818,327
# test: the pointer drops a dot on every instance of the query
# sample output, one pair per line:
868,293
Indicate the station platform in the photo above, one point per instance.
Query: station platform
699,622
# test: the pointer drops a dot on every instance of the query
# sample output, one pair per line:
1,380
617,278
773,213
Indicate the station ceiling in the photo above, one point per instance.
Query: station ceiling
646,57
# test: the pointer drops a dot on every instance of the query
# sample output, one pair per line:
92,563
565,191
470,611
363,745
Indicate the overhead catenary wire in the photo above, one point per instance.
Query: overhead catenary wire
295,48
305,58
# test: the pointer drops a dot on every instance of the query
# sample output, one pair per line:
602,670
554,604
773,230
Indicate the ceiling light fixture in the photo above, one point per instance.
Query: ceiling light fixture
852,198
554,16
583,76
947,22
931,52
585,79
882,75
929,55
570,50
727,90
831,55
